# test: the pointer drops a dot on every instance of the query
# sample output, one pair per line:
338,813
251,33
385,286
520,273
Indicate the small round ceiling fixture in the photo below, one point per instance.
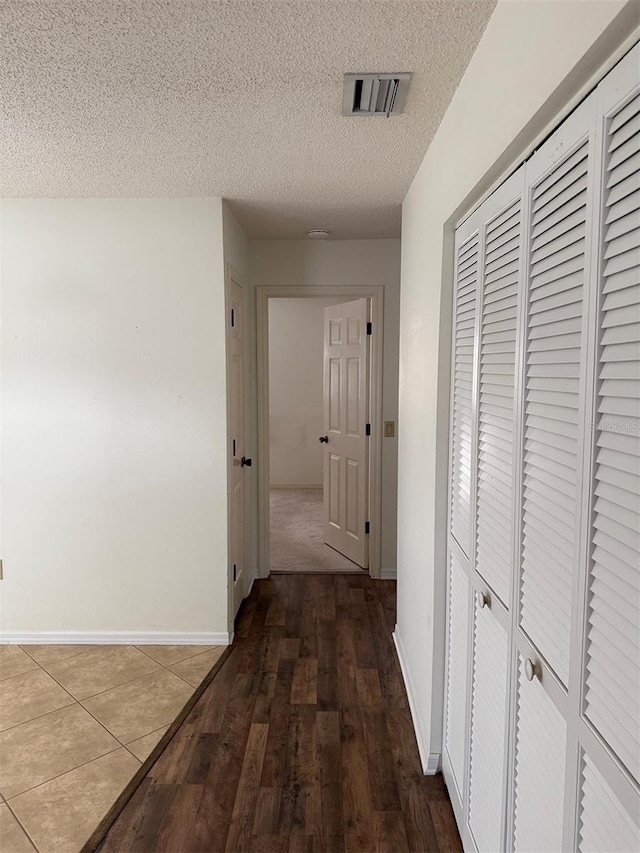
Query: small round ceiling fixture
318,234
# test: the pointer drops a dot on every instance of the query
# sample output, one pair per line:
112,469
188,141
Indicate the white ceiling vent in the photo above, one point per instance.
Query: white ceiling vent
374,94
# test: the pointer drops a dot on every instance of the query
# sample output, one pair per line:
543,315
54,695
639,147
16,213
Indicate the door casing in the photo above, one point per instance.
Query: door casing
375,295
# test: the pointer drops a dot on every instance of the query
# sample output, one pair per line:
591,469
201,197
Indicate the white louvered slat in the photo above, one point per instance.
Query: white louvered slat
605,826
612,677
539,772
461,426
552,405
455,740
494,514
488,719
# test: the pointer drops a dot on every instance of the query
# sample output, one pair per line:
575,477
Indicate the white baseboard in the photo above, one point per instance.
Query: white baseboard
430,760
388,574
129,638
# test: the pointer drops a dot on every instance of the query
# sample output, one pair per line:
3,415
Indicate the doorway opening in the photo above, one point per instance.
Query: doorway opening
299,443
319,407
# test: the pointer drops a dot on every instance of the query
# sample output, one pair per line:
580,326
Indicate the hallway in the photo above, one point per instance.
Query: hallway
302,742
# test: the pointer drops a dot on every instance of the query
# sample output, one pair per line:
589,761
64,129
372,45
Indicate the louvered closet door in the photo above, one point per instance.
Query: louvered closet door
488,252
555,329
606,824
462,390
501,284
608,800
462,437
554,390
612,676
539,765
488,735
457,661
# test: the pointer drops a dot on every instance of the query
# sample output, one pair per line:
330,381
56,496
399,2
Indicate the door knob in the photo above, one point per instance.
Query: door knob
245,462
324,439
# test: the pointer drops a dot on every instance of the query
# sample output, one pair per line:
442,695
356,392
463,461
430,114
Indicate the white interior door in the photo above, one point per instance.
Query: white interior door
235,338
346,457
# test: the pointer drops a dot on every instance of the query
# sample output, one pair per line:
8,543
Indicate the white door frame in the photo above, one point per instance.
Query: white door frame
375,295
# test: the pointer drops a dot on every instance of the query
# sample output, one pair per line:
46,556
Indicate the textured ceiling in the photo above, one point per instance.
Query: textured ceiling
238,99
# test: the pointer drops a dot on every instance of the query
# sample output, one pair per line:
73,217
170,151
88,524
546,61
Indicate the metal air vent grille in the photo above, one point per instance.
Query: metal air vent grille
374,94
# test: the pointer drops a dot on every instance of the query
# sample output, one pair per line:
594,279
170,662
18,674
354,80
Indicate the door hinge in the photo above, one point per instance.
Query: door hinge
367,429
234,447
366,527
369,328
233,317
235,572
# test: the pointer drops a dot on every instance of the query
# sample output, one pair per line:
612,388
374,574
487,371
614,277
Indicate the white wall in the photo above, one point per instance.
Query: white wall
348,262
533,55
115,515
296,411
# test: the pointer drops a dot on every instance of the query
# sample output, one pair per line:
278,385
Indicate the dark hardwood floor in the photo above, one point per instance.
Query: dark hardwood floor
302,742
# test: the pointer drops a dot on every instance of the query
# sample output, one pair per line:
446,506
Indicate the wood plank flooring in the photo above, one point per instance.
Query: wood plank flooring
302,742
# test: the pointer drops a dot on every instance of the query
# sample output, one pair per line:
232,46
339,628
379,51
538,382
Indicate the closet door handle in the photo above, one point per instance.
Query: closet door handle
483,599
531,670
245,462
324,439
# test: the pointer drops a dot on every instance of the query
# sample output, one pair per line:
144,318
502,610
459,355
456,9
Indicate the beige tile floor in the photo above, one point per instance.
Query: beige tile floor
75,724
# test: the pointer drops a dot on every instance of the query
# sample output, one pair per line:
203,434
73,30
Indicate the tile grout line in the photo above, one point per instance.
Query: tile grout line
74,701
159,666
116,686
40,716
82,764
17,674
92,695
130,753
188,683
99,722
153,731
23,827
84,698
79,702
33,719
25,649
60,775
182,660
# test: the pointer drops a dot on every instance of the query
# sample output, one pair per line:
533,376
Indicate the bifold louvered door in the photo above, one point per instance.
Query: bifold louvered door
496,374
487,735
459,589
542,695
482,510
462,390
555,339
608,736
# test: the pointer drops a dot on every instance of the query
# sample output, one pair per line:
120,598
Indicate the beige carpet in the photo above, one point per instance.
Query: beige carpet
297,543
